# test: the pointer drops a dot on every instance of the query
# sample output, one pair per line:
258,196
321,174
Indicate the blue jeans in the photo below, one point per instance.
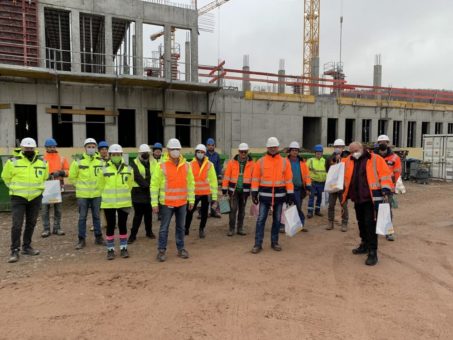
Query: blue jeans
261,222
45,216
166,215
317,189
298,201
95,205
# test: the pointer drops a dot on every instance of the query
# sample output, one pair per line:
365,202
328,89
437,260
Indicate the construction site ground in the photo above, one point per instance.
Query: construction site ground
314,289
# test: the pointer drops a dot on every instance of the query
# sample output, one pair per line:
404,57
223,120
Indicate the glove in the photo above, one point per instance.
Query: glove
62,173
224,192
290,199
255,198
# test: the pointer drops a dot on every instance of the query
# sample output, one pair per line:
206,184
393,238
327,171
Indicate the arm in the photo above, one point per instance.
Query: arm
305,176
212,178
138,177
289,178
397,169
226,178
156,179
385,176
65,167
190,186
7,173
256,175
130,181
73,173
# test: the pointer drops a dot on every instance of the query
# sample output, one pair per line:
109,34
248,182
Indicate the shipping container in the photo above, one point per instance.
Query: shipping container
438,150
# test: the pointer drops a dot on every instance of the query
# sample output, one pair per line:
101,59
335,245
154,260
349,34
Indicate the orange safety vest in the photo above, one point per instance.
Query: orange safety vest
272,178
175,183
200,175
56,163
231,176
378,175
394,163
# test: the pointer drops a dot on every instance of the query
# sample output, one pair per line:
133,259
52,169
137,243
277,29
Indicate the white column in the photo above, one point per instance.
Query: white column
138,60
108,39
194,54
75,41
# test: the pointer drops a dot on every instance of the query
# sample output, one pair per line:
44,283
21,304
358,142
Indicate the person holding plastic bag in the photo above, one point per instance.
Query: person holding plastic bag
367,183
58,169
339,155
317,167
272,185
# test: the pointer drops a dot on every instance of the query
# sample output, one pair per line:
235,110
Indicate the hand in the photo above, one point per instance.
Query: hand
224,192
156,210
255,198
190,206
290,199
55,174
386,199
214,204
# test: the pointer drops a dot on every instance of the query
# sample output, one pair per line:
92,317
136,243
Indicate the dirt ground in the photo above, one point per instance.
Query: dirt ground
314,289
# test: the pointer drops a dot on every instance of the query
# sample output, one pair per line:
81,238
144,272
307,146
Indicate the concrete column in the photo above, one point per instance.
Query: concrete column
44,121
374,130
7,122
169,129
75,41
324,131
187,61
141,124
418,134
315,74
167,52
78,130
358,130
194,54
404,133
390,130
341,128
42,36
281,78
138,56
108,39
195,132
111,130
246,67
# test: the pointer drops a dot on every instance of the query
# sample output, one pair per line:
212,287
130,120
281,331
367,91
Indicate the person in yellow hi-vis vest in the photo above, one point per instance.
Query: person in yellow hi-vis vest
205,185
24,175
172,192
116,186
318,174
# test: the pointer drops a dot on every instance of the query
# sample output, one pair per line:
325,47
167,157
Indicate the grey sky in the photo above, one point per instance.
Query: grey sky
414,37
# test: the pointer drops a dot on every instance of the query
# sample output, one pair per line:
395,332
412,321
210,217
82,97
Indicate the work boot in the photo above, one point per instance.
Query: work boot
216,214
372,258
81,244
14,257
276,247
390,237
151,236
361,249
45,233
58,232
231,232
256,249
344,227
30,251
182,253
201,233
304,229
161,257
187,232
110,254
99,240
124,253
131,239
318,213
330,225
241,232
310,215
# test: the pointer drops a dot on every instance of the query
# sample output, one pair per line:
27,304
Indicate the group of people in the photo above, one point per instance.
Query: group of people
166,184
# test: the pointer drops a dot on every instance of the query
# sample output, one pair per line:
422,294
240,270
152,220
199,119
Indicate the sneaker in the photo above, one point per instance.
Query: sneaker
361,249
151,236
124,253
256,249
81,244
131,240
390,237
242,232
318,213
330,226
216,215
231,232
30,251
304,229
45,233
372,258
161,257
99,240
182,253
14,257
58,232
201,233
110,254
276,247
310,215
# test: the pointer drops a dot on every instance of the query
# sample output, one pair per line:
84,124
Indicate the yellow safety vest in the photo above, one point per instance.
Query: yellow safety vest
85,174
116,186
317,169
142,170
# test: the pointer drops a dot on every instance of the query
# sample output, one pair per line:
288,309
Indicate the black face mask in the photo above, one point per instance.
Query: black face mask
145,156
29,154
383,147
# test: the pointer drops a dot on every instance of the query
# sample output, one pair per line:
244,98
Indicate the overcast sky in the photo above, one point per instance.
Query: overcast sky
414,37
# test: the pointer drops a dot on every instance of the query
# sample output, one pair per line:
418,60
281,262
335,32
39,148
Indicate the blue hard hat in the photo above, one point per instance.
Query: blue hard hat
210,141
318,148
157,146
50,142
103,144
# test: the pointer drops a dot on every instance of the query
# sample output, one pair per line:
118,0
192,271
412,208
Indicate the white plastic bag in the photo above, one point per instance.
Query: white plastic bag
399,187
384,225
52,192
293,223
335,178
325,199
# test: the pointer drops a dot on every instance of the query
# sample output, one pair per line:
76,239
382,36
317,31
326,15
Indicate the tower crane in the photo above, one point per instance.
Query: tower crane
310,64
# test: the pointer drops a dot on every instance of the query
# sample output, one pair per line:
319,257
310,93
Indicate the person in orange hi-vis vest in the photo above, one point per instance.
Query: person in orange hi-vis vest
367,183
272,185
58,169
205,185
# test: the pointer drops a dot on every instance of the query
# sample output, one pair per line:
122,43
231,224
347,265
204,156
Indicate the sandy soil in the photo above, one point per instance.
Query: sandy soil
314,289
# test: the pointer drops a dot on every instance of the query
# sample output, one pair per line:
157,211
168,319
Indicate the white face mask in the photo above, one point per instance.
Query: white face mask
91,151
357,154
200,155
175,153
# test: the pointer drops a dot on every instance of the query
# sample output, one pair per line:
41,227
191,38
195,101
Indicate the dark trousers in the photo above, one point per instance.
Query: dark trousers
203,211
110,216
261,222
238,201
365,213
333,197
298,200
22,209
180,216
142,211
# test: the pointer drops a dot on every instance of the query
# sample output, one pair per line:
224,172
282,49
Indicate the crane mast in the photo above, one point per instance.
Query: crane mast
310,65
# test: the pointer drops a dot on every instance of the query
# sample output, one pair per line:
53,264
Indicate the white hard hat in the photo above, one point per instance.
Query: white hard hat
173,143
243,147
339,142
144,148
294,145
115,148
383,138
28,143
201,147
272,142
90,141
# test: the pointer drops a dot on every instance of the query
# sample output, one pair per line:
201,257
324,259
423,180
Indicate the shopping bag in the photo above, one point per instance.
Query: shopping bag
325,200
293,223
399,187
282,217
335,178
254,210
224,205
393,202
52,192
384,225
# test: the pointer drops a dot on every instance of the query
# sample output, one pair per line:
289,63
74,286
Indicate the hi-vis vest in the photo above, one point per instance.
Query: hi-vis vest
172,184
116,186
317,169
142,170
230,179
86,174
24,178
205,178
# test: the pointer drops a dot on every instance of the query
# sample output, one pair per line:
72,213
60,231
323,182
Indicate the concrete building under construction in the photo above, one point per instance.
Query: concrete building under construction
73,69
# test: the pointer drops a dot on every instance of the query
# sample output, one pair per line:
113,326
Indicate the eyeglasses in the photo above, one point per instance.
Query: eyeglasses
242,151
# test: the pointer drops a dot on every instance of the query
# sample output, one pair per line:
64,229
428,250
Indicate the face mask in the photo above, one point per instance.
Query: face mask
357,154
116,159
200,155
383,147
90,152
29,154
145,156
175,153
337,150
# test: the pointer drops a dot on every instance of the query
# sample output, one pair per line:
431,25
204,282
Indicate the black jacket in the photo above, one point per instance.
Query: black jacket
141,194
